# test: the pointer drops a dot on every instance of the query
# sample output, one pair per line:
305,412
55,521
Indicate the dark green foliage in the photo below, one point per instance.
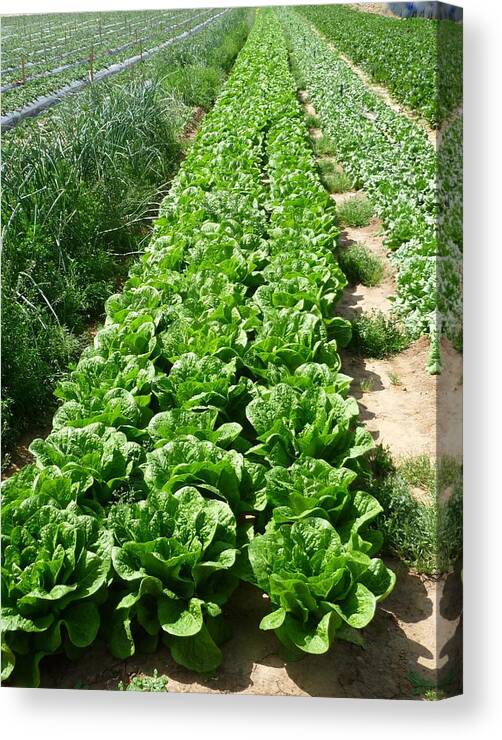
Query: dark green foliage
360,265
378,335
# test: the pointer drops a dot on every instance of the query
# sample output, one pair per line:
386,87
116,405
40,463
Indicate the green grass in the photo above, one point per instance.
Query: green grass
324,146
356,211
338,182
312,121
424,534
378,336
194,84
360,265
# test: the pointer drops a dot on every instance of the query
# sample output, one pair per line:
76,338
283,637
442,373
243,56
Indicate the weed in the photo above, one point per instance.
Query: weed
366,385
356,211
360,265
424,535
312,121
324,146
142,682
395,379
338,182
428,689
377,335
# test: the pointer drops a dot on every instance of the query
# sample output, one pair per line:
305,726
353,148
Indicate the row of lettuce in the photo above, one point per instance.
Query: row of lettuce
207,437
419,60
409,183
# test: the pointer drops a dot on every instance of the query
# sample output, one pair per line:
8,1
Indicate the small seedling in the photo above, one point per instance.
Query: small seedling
356,211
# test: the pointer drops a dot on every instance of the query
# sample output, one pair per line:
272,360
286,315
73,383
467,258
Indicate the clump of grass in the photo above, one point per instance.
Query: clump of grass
377,335
360,265
366,385
324,146
395,379
424,535
338,182
332,178
356,211
312,120
195,84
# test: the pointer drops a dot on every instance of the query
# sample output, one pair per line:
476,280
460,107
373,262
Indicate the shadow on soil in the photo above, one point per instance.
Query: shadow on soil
400,643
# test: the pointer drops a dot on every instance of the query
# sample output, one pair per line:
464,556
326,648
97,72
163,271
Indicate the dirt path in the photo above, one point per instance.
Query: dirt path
402,640
358,299
405,408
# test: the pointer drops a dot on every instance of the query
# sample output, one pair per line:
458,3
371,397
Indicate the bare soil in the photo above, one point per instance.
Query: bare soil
378,8
403,639
420,415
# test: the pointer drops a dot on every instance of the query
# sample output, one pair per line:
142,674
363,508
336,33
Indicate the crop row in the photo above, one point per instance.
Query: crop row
49,36
419,60
393,160
52,79
207,436
44,60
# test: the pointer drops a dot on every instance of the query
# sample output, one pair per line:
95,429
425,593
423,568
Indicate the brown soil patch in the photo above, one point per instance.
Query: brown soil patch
422,415
377,8
403,639
21,455
341,198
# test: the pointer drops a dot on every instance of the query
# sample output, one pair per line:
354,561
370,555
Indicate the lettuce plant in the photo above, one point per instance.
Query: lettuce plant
174,562
320,588
98,460
55,571
314,423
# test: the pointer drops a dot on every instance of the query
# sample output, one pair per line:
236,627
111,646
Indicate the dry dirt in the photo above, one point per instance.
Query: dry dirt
420,620
421,415
378,8
358,298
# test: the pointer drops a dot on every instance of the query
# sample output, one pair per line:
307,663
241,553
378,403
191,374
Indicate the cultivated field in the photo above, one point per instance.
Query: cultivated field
242,276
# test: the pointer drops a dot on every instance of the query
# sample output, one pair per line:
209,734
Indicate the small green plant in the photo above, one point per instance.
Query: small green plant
338,182
360,265
356,211
395,379
142,682
312,121
428,689
324,146
377,335
425,534
366,385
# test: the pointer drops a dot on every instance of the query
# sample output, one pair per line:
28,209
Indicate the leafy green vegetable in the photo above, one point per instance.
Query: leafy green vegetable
174,558
319,586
